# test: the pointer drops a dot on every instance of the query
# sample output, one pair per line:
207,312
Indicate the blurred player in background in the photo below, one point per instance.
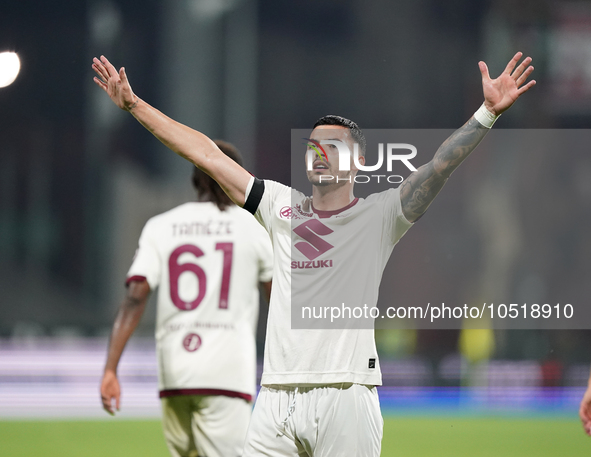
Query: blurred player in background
207,259
319,396
585,409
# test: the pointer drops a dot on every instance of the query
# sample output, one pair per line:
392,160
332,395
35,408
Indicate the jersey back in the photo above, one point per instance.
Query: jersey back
207,265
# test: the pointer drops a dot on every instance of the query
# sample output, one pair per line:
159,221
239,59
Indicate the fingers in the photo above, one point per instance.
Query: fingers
519,81
511,65
100,83
484,71
107,405
521,68
109,66
527,87
123,76
100,69
110,391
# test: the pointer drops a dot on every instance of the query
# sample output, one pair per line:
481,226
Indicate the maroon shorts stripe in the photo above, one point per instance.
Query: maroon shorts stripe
226,393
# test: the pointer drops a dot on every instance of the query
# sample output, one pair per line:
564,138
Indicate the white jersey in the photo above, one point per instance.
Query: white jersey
325,258
207,265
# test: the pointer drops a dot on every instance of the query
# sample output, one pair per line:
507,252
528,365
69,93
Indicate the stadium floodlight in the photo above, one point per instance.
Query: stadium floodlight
10,66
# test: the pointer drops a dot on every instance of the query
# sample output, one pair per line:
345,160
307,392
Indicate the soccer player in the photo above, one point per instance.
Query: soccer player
207,259
318,395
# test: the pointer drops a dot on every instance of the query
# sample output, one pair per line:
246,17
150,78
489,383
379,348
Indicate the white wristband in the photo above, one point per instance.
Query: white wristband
485,117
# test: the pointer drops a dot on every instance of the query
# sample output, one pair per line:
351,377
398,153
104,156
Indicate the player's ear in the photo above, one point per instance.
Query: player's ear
361,160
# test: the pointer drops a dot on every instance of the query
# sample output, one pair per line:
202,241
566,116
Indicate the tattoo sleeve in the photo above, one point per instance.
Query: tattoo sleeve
422,186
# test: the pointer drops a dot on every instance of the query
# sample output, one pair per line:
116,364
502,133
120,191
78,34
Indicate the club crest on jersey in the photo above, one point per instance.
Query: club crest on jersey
286,212
192,342
295,212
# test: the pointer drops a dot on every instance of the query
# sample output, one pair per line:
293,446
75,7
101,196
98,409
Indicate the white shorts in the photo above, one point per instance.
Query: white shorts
205,425
322,421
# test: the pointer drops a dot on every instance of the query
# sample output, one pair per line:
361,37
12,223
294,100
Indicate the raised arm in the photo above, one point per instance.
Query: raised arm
186,142
422,186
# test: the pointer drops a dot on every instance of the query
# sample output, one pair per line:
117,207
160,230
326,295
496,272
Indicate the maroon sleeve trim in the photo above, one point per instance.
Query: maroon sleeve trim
226,393
134,278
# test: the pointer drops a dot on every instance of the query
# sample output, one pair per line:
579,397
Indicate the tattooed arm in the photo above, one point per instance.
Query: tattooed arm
422,186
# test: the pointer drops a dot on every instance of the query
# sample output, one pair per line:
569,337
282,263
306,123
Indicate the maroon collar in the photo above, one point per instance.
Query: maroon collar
324,214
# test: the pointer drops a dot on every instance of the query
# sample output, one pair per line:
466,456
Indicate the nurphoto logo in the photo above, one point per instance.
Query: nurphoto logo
315,150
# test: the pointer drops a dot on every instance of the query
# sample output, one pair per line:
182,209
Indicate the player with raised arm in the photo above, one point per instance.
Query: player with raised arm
318,396
207,259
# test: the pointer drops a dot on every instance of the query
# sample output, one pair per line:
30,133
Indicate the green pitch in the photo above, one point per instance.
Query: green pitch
403,436
483,437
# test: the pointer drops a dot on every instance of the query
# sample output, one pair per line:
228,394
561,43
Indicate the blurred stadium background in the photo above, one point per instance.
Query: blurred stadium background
78,179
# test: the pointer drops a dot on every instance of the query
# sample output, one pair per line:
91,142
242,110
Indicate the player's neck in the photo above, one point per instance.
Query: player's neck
331,198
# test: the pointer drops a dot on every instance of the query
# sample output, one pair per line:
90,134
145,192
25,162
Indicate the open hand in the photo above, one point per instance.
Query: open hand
501,93
114,83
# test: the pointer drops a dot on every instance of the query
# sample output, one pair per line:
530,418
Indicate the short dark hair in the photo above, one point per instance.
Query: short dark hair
207,188
356,132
